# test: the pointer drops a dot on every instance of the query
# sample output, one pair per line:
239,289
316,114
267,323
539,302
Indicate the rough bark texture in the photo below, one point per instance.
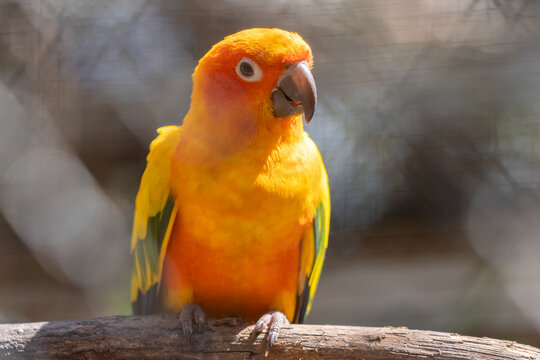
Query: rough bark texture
159,337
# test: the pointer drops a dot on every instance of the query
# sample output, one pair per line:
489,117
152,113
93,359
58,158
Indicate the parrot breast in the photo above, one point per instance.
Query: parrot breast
235,243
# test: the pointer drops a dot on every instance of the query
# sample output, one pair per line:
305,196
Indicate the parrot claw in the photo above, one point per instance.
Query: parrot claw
274,320
192,314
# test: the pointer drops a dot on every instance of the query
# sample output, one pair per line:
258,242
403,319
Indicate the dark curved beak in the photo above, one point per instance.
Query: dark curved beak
296,92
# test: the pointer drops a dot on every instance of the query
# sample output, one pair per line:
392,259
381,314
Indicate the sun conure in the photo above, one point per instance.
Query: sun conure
233,210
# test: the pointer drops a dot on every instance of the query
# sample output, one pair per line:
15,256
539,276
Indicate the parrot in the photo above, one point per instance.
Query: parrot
232,214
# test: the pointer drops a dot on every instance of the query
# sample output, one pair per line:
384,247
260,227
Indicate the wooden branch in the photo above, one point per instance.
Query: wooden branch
159,337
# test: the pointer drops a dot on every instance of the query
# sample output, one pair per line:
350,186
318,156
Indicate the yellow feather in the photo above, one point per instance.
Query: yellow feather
154,188
153,193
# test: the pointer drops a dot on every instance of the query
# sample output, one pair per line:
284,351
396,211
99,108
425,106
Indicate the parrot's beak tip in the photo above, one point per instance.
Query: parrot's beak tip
296,93
308,115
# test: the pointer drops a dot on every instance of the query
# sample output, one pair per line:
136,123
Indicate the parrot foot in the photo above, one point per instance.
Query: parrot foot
192,314
274,320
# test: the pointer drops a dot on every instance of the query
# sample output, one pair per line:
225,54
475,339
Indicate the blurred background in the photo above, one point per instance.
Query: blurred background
428,121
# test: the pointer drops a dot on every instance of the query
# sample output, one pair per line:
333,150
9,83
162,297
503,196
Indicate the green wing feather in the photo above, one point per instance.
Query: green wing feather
313,250
155,211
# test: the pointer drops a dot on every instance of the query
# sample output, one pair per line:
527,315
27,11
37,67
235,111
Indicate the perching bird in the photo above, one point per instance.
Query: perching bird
233,209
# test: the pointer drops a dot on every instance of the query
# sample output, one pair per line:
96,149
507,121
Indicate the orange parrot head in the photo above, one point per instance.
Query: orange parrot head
254,79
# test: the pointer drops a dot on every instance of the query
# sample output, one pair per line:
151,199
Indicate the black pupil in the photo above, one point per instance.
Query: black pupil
246,69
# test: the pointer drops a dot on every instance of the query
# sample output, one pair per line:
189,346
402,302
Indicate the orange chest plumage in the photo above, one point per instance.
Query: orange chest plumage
235,244
239,277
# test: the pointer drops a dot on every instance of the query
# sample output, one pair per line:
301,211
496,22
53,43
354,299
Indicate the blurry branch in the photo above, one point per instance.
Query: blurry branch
159,337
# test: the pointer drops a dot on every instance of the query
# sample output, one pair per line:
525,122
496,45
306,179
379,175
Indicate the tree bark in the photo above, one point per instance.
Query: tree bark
159,337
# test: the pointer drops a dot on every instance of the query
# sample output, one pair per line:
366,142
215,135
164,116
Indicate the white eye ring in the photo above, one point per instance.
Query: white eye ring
248,70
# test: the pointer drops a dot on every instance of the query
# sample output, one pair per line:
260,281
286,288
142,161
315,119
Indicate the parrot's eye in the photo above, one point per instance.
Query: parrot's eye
248,70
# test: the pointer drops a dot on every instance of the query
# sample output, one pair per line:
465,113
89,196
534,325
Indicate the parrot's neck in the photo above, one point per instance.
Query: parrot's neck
227,134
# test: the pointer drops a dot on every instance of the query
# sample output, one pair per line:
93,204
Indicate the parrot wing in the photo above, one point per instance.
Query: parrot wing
312,251
155,211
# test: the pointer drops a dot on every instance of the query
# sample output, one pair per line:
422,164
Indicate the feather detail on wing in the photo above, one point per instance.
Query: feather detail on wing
312,252
155,211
